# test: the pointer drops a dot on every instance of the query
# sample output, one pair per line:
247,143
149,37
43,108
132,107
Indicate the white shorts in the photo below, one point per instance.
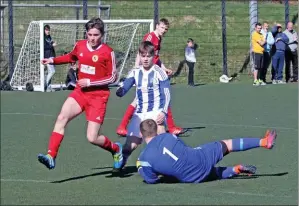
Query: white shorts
134,126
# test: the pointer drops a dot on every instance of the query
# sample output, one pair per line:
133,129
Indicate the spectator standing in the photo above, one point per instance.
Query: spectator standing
190,60
258,42
267,48
49,52
278,58
291,55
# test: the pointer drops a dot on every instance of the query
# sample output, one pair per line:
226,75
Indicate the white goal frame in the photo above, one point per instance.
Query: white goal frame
41,27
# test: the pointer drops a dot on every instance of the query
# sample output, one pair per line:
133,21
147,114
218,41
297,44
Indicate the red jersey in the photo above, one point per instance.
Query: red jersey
156,41
96,65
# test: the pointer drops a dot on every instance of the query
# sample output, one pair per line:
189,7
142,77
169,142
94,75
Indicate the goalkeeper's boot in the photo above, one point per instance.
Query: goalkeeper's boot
270,138
118,158
121,131
245,169
177,130
47,160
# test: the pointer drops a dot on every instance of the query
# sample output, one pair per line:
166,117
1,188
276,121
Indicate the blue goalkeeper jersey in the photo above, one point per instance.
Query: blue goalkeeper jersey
168,155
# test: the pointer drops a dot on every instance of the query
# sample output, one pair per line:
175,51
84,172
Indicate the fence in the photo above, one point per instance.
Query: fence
220,28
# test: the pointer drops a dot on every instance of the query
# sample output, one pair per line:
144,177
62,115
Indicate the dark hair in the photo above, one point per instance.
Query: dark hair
258,24
190,39
164,21
47,27
95,23
29,87
148,128
147,47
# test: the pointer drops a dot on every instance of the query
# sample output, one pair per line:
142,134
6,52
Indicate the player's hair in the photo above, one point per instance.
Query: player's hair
148,128
47,27
164,21
97,23
258,24
147,47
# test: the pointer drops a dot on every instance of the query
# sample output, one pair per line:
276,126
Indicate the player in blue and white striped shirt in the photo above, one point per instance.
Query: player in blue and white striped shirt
152,96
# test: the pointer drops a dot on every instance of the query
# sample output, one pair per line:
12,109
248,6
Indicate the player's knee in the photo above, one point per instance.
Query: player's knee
130,146
227,146
62,118
92,137
134,145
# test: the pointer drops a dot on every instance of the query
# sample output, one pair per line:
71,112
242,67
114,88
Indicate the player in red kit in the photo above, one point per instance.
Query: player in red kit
96,71
155,38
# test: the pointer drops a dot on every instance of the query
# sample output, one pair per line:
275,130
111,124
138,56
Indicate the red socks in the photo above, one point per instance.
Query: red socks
56,139
54,143
169,119
127,116
110,146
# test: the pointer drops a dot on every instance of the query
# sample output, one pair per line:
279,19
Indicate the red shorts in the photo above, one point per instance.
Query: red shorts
94,103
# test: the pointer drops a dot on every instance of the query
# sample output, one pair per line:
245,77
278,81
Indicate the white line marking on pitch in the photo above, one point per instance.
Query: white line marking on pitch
188,123
254,194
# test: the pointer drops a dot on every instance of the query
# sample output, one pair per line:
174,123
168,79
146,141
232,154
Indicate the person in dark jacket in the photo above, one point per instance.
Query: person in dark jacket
281,40
72,77
49,52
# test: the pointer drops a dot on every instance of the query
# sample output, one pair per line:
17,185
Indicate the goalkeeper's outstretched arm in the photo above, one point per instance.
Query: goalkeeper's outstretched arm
146,172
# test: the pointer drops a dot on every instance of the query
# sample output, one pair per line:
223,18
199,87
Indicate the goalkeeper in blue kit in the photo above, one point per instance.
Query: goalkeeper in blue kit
169,156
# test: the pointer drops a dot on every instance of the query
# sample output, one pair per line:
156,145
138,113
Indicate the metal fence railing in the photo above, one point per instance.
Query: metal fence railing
220,28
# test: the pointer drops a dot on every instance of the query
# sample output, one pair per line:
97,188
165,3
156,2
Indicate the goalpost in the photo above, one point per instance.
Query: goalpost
124,36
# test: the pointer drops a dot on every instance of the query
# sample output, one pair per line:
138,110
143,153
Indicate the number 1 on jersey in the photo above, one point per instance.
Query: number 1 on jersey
166,151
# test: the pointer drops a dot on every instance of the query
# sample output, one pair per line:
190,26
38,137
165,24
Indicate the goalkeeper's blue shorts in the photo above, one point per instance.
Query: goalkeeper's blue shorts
213,152
202,160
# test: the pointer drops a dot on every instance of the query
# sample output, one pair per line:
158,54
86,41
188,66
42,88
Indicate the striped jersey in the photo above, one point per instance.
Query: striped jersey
152,88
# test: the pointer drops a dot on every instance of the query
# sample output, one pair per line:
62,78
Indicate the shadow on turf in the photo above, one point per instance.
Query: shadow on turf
195,85
130,170
127,172
261,175
170,180
243,177
189,130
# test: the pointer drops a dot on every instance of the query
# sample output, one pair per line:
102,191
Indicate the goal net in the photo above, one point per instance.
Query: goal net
124,36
